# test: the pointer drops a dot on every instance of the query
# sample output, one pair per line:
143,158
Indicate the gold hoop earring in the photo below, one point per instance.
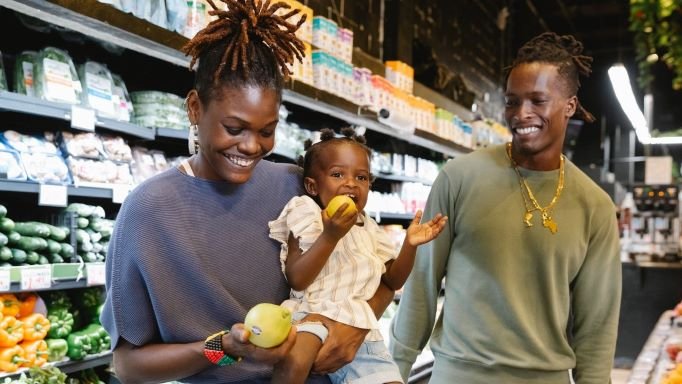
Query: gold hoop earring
193,139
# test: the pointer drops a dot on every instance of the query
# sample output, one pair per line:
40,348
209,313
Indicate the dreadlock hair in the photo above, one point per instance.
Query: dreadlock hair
328,139
566,53
247,45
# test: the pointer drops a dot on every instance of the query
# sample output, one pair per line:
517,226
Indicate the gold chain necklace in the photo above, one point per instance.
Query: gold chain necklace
546,212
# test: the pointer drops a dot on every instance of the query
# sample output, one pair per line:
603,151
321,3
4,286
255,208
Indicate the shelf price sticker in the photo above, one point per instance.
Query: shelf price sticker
52,195
119,192
95,274
36,277
5,280
83,118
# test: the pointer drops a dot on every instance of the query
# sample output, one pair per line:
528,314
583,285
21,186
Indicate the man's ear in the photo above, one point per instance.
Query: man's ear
310,186
571,106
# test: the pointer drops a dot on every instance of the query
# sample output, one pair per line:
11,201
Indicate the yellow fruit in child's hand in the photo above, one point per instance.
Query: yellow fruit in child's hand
338,201
268,324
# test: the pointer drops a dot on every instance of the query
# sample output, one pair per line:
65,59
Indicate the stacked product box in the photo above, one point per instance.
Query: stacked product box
325,34
303,70
333,75
400,75
382,93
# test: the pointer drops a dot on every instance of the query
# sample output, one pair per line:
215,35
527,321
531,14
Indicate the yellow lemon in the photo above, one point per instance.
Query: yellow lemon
338,201
269,325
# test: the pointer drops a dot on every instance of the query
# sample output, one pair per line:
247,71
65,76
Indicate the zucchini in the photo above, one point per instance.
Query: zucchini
82,210
55,258
5,254
32,257
82,222
28,243
67,250
18,256
32,228
3,239
57,233
53,246
6,225
3,211
13,238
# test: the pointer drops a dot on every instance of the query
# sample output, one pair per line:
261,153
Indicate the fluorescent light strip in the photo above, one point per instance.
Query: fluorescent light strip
621,86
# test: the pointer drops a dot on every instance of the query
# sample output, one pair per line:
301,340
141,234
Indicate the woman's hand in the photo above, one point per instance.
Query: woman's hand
236,344
340,347
336,226
420,233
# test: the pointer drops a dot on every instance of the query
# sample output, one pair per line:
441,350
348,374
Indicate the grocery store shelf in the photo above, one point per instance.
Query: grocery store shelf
104,22
172,133
34,106
391,216
63,276
33,187
404,178
69,366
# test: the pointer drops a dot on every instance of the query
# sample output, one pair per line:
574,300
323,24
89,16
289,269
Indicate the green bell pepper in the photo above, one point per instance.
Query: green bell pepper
79,345
61,323
56,299
99,337
56,349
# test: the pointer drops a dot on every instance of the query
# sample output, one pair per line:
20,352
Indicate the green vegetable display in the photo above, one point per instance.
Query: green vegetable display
61,322
56,349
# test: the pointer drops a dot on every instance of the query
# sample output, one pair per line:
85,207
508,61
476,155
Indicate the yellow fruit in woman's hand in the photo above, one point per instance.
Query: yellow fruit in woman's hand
338,201
268,324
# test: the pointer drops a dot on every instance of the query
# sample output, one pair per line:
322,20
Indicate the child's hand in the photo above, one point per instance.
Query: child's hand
418,234
338,224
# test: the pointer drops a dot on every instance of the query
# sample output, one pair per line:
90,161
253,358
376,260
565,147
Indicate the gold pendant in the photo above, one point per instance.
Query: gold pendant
527,218
549,223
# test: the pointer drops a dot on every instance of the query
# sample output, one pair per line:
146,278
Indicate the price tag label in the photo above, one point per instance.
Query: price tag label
119,193
36,277
95,274
5,281
52,195
83,118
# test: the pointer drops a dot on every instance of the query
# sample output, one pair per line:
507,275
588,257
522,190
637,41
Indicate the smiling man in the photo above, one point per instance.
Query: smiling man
531,250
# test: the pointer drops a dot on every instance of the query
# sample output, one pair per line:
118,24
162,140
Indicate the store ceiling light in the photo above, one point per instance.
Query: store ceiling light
623,90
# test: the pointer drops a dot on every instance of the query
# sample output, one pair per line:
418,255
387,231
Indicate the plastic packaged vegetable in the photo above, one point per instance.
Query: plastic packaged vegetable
123,105
23,73
82,145
55,76
45,168
97,86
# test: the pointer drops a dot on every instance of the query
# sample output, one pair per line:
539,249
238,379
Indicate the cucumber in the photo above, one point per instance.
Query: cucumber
29,243
18,256
86,246
32,257
82,210
3,239
5,254
43,260
56,258
3,211
94,236
89,257
67,250
82,222
53,246
6,225
82,236
13,238
32,228
58,233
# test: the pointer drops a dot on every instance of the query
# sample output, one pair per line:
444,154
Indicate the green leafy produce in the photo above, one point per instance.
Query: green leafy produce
23,73
60,65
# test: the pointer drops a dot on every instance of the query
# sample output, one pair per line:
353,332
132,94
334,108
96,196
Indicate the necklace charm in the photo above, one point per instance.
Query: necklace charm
549,223
527,218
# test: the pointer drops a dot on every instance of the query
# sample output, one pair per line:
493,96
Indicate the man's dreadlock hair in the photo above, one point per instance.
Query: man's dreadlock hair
246,45
566,53
327,139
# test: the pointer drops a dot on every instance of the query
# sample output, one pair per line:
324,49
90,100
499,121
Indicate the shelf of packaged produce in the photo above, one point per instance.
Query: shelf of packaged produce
31,105
71,190
107,23
69,366
62,276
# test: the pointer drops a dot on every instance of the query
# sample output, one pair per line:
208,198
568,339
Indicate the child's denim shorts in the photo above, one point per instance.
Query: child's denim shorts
372,364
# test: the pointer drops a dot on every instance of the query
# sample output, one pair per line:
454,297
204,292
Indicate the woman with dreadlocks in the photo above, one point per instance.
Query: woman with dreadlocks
531,250
335,262
190,252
